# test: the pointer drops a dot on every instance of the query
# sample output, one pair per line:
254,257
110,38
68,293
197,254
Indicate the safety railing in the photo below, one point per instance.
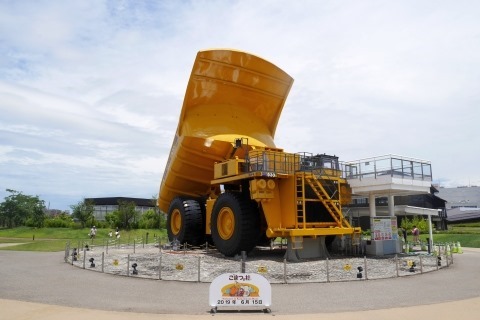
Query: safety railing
205,264
388,165
288,163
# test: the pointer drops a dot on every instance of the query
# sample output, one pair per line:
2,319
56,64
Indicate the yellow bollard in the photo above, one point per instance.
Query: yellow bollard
459,248
454,248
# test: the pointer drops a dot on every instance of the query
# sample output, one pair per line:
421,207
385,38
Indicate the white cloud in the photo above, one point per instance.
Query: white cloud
90,92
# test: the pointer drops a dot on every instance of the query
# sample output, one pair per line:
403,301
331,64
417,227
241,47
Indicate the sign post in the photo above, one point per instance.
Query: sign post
240,290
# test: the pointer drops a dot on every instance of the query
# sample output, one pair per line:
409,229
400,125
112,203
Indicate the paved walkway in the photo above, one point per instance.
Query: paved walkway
41,286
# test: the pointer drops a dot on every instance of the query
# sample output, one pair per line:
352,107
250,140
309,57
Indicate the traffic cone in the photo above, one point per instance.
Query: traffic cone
459,248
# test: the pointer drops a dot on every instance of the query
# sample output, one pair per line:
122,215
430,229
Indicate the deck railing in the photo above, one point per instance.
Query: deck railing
388,165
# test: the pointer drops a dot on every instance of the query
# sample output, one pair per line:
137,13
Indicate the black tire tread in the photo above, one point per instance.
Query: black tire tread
191,231
246,224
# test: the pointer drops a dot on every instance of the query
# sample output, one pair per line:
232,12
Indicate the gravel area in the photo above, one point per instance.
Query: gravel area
205,265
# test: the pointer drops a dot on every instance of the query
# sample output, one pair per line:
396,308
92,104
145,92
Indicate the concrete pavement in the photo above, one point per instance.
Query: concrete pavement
41,286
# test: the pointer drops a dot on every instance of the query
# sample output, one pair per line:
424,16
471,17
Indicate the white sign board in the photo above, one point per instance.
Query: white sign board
384,228
240,290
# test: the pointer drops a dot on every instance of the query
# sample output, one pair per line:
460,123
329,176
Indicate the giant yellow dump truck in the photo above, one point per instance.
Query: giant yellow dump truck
225,178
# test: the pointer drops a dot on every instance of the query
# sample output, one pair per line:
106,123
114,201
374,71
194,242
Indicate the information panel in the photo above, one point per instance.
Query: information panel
384,228
240,290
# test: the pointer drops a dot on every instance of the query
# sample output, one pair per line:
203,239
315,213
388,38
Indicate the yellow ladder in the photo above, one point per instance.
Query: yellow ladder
332,205
300,198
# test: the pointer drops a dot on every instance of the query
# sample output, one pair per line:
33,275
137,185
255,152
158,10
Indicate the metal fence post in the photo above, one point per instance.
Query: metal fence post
396,264
284,270
103,261
160,266
128,265
67,250
242,265
199,261
365,263
133,245
84,257
328,275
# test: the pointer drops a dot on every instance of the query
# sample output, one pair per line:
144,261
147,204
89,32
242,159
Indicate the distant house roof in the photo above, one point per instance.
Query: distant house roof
461,196
113,201
463,214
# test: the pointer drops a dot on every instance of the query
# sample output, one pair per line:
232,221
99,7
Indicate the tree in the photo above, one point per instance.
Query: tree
83,211
124,217
150,220
162,217
127,215
418,221
112,219
17,209
62,220
36,217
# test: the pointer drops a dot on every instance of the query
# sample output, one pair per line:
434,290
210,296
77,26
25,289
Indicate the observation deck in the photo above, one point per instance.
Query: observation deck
392,175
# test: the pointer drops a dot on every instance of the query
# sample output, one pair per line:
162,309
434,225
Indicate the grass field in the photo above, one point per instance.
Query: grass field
468,234
54,239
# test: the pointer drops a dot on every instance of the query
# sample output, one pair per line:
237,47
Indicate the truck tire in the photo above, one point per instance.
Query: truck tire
185,221
234,224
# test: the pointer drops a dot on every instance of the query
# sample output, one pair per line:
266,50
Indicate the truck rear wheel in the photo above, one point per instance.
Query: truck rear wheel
185,221
234,224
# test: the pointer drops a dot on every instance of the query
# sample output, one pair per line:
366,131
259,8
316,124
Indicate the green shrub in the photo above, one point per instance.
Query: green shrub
58,223
151,220
418,221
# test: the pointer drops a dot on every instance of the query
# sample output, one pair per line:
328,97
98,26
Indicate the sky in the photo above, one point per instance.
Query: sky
91,90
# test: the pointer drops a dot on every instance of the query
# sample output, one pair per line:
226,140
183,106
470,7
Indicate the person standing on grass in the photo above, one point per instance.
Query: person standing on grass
415,233
93,232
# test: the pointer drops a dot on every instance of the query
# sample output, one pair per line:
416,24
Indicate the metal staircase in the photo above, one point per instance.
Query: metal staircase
326,193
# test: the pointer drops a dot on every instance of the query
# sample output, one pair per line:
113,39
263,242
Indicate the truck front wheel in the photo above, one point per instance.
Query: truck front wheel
185,221
234,224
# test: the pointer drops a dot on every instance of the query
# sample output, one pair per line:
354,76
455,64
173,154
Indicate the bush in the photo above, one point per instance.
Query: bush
151,220
58,223
102,224
418,221
112,220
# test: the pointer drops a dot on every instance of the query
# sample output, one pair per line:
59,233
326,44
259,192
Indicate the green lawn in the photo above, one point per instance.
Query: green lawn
54,239
466,240
468,234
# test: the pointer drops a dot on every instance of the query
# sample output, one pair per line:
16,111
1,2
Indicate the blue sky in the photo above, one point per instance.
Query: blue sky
91,91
